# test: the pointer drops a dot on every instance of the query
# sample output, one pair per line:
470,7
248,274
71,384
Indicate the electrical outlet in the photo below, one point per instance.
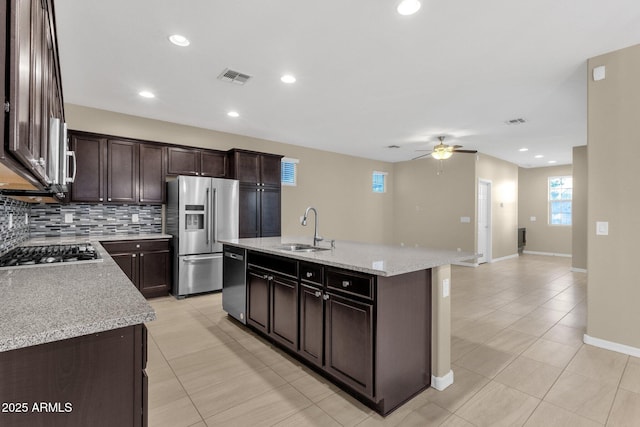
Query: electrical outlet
10,220
135,218
465,219
532,219
68,218
602,228
26,218
446,288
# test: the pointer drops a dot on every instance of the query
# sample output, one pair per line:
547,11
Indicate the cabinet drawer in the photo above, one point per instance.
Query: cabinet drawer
350,283
312,273
284,266
127,246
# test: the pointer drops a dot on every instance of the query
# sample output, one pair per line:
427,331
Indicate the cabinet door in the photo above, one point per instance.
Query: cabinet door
258,300
25,84
349,342
91,159
152,185
183,161
129,265
270,170
122,176
269,212
249,220
247,167
284,311
213,164
311,324
154,268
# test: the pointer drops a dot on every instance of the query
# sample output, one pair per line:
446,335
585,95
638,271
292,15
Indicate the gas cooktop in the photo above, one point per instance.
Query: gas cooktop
49,254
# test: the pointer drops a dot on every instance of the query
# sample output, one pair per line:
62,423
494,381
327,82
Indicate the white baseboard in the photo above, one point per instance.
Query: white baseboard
502,258
578,270
547,254
440,383
610,345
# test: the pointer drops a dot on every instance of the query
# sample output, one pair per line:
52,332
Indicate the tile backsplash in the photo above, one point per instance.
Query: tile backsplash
14,213
84,219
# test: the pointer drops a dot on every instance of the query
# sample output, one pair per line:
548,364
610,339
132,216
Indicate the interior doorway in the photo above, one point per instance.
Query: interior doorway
484,221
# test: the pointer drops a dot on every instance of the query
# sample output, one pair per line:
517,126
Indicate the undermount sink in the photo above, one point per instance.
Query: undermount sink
300,247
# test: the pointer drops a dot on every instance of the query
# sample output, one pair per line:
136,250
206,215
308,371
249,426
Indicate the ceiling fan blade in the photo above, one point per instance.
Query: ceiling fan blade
421,156
465,151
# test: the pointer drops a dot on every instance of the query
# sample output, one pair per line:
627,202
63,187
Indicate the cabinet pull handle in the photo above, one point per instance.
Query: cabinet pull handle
346,283
133,255
325,297
101,199
270,278
137,246
109,199
141,255
309,274
265,277
317,293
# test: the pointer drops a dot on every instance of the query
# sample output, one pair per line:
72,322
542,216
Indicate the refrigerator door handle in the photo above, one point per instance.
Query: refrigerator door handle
207,214
200,258
214,219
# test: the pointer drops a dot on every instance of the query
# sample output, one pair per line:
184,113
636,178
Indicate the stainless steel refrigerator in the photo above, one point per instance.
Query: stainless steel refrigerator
200,212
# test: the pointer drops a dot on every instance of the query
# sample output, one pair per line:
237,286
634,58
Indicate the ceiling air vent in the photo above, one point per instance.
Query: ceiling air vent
232,76
517,121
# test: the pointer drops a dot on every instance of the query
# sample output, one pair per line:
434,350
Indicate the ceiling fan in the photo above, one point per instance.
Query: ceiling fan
443,151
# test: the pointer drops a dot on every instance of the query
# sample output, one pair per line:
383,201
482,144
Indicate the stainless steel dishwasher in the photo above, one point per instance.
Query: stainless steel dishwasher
234,282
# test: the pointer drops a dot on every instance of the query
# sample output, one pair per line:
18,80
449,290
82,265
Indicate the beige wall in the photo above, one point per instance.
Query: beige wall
533,202
613,149
579,209
504,203
338,186
428,206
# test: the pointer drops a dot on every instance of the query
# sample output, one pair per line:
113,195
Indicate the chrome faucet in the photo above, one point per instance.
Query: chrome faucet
316,238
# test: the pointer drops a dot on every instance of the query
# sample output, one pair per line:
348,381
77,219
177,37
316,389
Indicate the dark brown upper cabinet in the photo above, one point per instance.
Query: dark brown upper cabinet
196,162
117,170
34,86
254,167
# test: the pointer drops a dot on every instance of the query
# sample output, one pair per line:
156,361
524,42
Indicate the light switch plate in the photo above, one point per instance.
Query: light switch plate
446,288
602,228
533,219
599,73
135,218
465,219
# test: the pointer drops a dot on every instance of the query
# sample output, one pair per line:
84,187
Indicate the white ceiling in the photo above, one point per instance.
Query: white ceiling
367,77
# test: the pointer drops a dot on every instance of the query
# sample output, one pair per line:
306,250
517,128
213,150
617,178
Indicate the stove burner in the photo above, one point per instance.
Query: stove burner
31,255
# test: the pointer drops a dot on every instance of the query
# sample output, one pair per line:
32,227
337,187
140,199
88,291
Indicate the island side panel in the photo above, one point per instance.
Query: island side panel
442,375
403,338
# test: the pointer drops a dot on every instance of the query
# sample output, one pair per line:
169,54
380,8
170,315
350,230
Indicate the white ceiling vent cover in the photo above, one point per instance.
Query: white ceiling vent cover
232,76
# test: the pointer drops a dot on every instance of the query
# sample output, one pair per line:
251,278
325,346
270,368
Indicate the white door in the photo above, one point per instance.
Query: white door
484,221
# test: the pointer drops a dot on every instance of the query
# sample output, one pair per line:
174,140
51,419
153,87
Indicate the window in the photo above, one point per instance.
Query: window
560,197
289,171
379,184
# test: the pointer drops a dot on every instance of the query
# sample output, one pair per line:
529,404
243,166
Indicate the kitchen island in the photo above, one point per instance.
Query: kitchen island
372,318
73,343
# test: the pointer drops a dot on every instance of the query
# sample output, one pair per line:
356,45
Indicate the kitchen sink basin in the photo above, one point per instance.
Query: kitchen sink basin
300,247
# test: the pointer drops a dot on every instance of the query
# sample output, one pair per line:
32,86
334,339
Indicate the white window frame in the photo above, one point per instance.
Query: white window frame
293,162
550,202
384,182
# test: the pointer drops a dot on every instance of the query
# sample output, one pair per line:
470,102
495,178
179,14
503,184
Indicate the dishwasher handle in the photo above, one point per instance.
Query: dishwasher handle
231,255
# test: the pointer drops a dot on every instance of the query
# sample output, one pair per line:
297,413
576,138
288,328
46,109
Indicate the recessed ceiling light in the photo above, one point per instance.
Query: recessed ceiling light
552,161
539,156
233,114
288,78
179,40
524,149
408,7
146,94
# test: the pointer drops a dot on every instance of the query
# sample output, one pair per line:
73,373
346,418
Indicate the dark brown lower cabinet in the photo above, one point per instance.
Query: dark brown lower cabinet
311,324
349,342
273,306
94,380
147,263
369,334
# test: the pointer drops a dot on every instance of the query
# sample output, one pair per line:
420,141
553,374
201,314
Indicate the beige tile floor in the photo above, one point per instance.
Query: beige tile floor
517,357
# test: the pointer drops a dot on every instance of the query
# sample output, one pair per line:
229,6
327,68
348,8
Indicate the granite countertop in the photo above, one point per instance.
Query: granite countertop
381,260
54,302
